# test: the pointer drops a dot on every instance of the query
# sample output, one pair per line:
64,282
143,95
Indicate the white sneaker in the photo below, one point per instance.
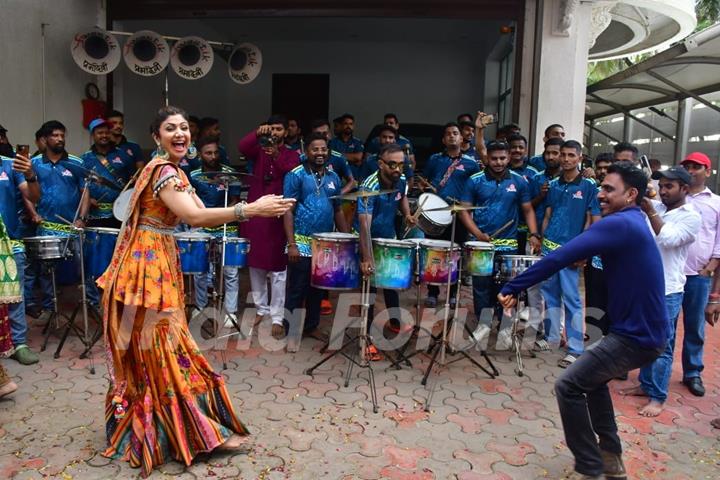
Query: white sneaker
480,333
504,339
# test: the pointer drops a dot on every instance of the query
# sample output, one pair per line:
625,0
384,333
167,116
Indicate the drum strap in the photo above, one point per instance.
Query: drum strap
550,245
17,246
109,168
451,168
60,228
505,242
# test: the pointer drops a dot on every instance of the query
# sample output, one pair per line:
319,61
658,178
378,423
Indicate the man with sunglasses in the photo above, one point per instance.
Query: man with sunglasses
376,219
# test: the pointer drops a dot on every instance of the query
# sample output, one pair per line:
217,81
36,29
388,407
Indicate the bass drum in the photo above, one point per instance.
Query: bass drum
122,203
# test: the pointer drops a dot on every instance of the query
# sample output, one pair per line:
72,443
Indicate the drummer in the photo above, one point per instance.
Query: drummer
116,122
502,194
110,163
212,194
312,184
447,174
376,219
17,176
386,135
61,185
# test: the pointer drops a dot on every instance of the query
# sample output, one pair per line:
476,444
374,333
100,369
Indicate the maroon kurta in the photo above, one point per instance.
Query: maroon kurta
266,235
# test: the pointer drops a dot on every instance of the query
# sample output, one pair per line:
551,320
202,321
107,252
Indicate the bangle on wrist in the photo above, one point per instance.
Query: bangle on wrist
714,302
714,296
240,212
654,214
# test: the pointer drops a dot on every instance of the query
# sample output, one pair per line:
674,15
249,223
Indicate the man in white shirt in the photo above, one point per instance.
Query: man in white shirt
675,224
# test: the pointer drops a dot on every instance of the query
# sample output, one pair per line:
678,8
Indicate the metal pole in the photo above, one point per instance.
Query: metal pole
171,38
627,128
682,129
42,70
166,92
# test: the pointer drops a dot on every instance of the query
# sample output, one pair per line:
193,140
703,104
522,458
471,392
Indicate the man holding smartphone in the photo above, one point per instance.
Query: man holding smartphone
18,175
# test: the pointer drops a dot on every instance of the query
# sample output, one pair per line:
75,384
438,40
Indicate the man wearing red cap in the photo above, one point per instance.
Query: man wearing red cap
703,259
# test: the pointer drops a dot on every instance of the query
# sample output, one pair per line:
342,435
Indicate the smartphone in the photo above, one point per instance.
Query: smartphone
23,150
489,119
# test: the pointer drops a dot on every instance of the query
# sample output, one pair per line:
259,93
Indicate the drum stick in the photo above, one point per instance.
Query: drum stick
502,229
415,216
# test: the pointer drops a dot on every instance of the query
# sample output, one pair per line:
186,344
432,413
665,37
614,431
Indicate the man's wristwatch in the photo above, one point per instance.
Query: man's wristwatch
33,179
536,235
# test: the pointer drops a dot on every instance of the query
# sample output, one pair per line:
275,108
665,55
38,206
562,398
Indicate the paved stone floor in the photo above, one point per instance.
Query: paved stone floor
313,427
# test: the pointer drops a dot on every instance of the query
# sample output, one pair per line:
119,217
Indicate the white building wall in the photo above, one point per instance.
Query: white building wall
21,81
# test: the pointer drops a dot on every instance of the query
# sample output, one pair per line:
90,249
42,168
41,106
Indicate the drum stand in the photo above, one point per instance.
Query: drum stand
49,268
516,336
442,345
358,358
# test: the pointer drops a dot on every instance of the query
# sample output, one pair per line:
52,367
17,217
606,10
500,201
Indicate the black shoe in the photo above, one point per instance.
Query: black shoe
695,386
34,312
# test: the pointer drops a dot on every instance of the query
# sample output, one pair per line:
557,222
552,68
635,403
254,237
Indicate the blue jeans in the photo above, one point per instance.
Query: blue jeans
562,291
231,281
655,377
697,289
300,293
586,407
16,311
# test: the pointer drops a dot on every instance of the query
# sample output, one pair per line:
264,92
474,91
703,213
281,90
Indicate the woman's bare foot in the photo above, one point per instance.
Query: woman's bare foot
8,388
652,409
635,391
236,443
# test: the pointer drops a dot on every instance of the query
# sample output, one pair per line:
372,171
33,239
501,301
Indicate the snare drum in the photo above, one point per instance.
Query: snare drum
393,263
194,248
48,247
438,262
479,258
236,251
510,266
335,264
99,247
432,223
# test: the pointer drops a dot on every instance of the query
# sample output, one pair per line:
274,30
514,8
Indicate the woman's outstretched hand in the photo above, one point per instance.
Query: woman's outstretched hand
269,206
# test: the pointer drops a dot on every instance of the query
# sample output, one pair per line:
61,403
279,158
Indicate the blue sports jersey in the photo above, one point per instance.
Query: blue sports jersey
10,180
119,169
373,146
212,194
336,163
570,203
382,207
450,187
501,200
353,145
60,185
314,209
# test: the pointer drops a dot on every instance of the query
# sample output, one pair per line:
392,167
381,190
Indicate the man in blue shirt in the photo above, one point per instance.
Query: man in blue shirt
336,161
17,179
467,130
345,143
386,136
116,119
376,219
502,194
294,140
446,175
210,127
311,184
61,184
553,131
571,207
374,145
519,165
639,327
110,163
212,193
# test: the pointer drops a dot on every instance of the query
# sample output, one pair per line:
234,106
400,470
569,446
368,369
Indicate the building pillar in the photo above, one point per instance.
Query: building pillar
563,55
682,135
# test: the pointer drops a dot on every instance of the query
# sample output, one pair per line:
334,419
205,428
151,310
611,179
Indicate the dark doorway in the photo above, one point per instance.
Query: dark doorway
301,96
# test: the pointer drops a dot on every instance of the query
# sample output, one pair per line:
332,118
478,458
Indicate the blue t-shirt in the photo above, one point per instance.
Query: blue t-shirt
535,185
436,167
336,163
570,202
10,180
314,209
373,146
633,268
382,207
132,150
189,165
537,162
353,145
370,165
60,188
212,194
121,168
501,201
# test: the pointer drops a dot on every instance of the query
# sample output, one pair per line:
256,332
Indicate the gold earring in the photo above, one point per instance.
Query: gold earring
161,153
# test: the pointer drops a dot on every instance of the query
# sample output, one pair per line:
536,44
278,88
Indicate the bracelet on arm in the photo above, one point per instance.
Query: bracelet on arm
655,214
240,212
714,296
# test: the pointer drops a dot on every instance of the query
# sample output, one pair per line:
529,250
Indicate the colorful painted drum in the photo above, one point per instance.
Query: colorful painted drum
393,263
510,266
335,264
438,262
479,258
194,249
236,251
99,247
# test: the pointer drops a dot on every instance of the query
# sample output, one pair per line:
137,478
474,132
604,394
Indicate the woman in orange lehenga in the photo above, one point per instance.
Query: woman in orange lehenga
165,401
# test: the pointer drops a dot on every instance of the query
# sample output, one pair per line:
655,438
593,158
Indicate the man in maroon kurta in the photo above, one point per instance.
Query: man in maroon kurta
271,159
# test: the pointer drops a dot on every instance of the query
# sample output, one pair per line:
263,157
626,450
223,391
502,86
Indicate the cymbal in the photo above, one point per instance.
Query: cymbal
89,175
363,194
452,208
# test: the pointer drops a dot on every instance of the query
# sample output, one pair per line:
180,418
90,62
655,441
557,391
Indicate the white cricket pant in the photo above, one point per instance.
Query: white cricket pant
259,286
